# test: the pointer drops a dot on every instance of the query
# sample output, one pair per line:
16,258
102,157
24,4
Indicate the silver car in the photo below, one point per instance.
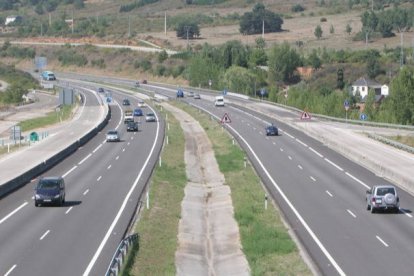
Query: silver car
383,197
150,117
112,136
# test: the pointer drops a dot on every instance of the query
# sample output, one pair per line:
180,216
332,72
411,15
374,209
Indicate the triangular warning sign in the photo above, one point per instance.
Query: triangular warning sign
305,116
226,119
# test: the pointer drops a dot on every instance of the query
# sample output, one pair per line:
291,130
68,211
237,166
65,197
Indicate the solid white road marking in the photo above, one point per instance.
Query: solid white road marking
288,202
357,180
84,159
98,147
67,212
85,192
13,212
313,179
333,164
44,235
352,214
99,178
293,137
383,242
329,193
124,203
317,153
68,172
300,142
10,270
405,213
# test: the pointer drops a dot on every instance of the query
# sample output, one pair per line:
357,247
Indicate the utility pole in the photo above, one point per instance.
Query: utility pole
50,19
129,26
165,23
263,29
402,49
187,28
41,29
73,23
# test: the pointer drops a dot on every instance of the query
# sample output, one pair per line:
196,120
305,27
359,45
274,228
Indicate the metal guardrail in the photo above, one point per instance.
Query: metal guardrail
120,255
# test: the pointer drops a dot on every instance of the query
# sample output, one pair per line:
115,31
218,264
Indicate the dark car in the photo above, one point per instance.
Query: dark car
180,93
126,102
132,126
144,82
272,130
138,112
101,90
50,190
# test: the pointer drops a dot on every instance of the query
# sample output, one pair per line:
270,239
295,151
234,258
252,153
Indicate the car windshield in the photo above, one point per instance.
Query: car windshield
48,184
384,191
112,133
150,114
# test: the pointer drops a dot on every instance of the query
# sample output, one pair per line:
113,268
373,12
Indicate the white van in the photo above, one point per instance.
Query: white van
219,101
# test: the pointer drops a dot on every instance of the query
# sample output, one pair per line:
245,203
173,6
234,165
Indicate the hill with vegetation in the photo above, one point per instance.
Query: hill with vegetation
233,44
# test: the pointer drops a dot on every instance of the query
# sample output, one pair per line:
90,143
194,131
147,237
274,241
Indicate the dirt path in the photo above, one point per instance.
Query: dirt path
208,235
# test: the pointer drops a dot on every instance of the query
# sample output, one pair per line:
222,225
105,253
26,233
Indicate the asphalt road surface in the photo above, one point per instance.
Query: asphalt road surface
104,183
322,195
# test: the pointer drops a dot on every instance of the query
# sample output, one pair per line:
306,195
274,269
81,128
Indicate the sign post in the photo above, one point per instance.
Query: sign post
210,83
346,106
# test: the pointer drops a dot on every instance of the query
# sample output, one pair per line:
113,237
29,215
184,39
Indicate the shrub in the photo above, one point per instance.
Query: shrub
297,8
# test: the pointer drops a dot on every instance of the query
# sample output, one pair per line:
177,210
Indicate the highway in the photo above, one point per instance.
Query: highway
104,183
320,192
322,195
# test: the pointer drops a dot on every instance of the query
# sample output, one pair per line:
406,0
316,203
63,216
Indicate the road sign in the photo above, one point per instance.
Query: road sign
305,116
40,62
363,117
262,92
226,119
346,105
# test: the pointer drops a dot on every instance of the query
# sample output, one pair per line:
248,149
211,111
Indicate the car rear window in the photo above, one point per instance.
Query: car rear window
384,191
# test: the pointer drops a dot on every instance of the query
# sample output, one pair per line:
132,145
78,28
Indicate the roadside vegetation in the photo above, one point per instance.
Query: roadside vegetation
158,226
265,239
51,118
19,83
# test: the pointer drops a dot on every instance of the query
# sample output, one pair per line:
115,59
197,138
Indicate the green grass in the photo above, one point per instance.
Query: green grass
407,140
50,119
158,226
265,240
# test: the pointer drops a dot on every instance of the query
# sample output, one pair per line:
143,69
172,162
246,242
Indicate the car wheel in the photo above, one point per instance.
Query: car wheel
372,210
368,207
36,204
397,210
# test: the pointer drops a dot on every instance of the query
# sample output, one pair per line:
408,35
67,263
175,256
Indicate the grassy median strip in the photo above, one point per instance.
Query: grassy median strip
158,226
49,119
266,243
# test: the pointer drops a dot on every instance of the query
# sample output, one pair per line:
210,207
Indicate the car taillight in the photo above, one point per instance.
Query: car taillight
373,199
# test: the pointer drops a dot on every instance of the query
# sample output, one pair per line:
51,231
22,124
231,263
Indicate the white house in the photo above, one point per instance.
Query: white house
11,19
362,85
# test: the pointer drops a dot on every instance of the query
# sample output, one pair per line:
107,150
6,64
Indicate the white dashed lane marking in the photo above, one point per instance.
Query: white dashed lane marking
329,193
383,242
352,214
44,235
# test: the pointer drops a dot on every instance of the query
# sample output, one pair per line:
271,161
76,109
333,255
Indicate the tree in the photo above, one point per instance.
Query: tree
314,60
253,22
238,79
234,53
402,96
340,84
283,62
318,32
162,56
187,30
370,108
348,29
373,66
